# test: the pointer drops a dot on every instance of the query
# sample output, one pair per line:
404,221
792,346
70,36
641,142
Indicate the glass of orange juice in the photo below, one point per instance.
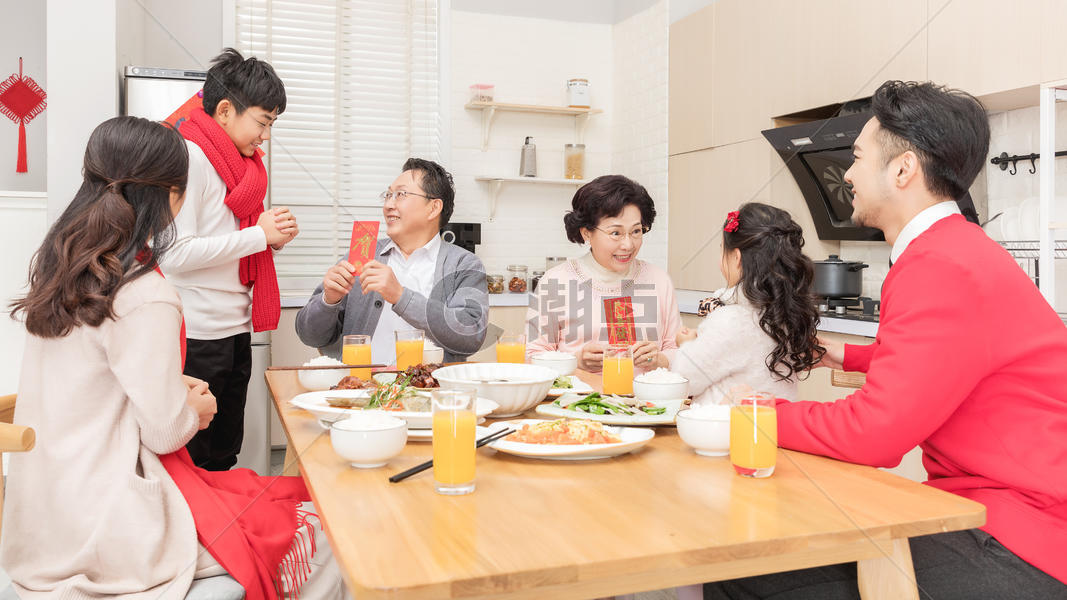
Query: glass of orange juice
356,351
511,349
453,441
409,344
753,434
618,370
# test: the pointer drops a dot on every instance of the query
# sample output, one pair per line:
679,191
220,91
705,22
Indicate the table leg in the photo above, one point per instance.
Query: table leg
890,576
291,467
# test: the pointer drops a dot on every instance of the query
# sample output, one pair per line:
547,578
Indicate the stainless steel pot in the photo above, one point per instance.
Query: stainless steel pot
836,278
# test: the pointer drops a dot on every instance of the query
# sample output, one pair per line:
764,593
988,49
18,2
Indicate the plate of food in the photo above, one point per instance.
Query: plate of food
568,384
612,410
568,439
399,400
419,376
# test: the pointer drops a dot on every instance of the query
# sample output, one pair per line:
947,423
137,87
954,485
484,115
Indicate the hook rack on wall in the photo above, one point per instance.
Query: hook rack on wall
1004,159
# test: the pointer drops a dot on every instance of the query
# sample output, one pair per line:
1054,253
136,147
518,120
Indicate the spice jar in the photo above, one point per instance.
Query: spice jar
495,283
578,93
517,279
482,92
573,161
536,279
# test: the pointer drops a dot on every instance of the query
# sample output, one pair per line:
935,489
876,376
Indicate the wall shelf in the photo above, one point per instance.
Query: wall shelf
490,109
496,182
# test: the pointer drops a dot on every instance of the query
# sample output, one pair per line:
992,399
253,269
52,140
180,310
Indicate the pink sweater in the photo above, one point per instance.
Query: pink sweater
569,310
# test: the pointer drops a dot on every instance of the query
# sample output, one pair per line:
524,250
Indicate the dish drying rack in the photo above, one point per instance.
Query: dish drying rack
1028,254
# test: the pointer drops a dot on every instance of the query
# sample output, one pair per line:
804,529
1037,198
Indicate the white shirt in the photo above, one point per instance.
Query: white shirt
920,223
414,273
204,259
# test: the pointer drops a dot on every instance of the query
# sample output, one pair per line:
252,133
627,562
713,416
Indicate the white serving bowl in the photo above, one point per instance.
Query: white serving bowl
368,440
432,353
320,379
657,392
523,386
706,429
563,365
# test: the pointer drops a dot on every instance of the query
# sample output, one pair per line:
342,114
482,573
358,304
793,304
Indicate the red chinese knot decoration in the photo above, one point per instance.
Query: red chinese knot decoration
21,99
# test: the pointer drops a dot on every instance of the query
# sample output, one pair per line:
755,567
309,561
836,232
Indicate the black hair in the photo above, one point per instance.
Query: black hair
115,229
244,82
947,129
776,278
606,196
437,183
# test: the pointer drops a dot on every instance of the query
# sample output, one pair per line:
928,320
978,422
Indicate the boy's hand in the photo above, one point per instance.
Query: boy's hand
286,223
338,282
269,225
377,277
685,335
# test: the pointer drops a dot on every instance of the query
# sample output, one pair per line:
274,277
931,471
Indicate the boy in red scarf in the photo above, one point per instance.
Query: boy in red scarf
220,261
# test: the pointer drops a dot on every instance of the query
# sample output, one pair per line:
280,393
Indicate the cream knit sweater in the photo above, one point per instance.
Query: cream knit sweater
730,350
90,511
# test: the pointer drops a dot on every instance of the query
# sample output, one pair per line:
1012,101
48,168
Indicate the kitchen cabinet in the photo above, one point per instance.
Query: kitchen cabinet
1053,41
704,186
980,47
690,83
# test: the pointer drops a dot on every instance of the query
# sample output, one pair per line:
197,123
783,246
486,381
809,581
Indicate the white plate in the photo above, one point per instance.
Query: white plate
580,387
315,403
667,418
426,435
632,439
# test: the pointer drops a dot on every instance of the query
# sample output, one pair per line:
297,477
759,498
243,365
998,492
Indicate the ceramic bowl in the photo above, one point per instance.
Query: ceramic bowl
563,365
515,387
657,392
368,440
706,429
318,380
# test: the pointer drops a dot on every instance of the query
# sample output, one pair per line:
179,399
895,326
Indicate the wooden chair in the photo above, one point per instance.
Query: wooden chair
849,379
16,438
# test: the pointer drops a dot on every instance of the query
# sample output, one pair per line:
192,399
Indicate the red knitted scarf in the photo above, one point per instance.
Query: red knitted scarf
246,186
251,524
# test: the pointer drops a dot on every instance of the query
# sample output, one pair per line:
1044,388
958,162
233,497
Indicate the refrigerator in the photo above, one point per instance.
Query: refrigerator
154,93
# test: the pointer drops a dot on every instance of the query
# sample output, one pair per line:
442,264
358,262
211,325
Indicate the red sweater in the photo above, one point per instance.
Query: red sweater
970,364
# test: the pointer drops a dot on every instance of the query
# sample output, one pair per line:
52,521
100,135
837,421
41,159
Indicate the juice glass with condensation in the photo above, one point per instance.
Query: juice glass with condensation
618,370
453,441
511,349
753,434
355,350
409,344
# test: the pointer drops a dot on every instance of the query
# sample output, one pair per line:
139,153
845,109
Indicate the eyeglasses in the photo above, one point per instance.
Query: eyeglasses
617,235
399,194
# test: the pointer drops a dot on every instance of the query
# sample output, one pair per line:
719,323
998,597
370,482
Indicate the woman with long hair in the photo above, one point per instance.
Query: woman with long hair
760,329
109,504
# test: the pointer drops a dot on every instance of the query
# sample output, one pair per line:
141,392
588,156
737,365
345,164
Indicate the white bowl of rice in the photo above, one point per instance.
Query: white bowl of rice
563,363
660,384
321,379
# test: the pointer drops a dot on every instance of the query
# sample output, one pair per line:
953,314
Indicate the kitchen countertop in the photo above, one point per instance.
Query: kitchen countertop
688,301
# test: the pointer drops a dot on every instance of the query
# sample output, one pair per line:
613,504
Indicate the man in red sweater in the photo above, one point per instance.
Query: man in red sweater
970,364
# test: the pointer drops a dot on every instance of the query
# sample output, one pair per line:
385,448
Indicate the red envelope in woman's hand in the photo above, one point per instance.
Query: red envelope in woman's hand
364,243
620,318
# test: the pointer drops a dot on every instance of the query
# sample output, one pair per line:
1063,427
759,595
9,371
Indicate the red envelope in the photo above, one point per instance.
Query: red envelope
364,243
620,318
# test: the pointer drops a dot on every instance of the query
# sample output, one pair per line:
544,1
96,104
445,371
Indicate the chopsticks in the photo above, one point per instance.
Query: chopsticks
324,367
426,465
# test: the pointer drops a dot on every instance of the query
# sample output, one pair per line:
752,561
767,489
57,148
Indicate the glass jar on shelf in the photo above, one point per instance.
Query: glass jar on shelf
495,283
517,279
574,161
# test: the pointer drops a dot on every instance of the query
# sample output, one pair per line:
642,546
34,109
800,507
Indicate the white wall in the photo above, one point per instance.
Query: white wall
25,218
159,33
24,36
639,122
529,61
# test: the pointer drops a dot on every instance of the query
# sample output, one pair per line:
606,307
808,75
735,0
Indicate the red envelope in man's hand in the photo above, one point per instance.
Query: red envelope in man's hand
620,318
364,243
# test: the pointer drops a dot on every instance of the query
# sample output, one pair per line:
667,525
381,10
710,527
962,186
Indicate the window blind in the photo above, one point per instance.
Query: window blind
361,82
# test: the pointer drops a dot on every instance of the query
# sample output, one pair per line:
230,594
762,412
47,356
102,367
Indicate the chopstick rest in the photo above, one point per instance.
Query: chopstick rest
419,468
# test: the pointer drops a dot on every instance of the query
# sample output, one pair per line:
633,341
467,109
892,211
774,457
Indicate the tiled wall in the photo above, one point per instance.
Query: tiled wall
639,126
529,61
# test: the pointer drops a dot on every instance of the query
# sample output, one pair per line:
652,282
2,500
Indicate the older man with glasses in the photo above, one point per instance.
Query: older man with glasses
416,280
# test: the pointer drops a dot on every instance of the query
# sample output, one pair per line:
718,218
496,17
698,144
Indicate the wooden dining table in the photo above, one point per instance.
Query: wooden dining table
655,518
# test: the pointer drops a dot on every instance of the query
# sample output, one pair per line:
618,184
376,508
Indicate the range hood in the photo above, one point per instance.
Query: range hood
817,153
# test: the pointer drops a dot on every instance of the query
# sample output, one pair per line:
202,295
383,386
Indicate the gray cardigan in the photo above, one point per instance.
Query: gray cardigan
455,316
